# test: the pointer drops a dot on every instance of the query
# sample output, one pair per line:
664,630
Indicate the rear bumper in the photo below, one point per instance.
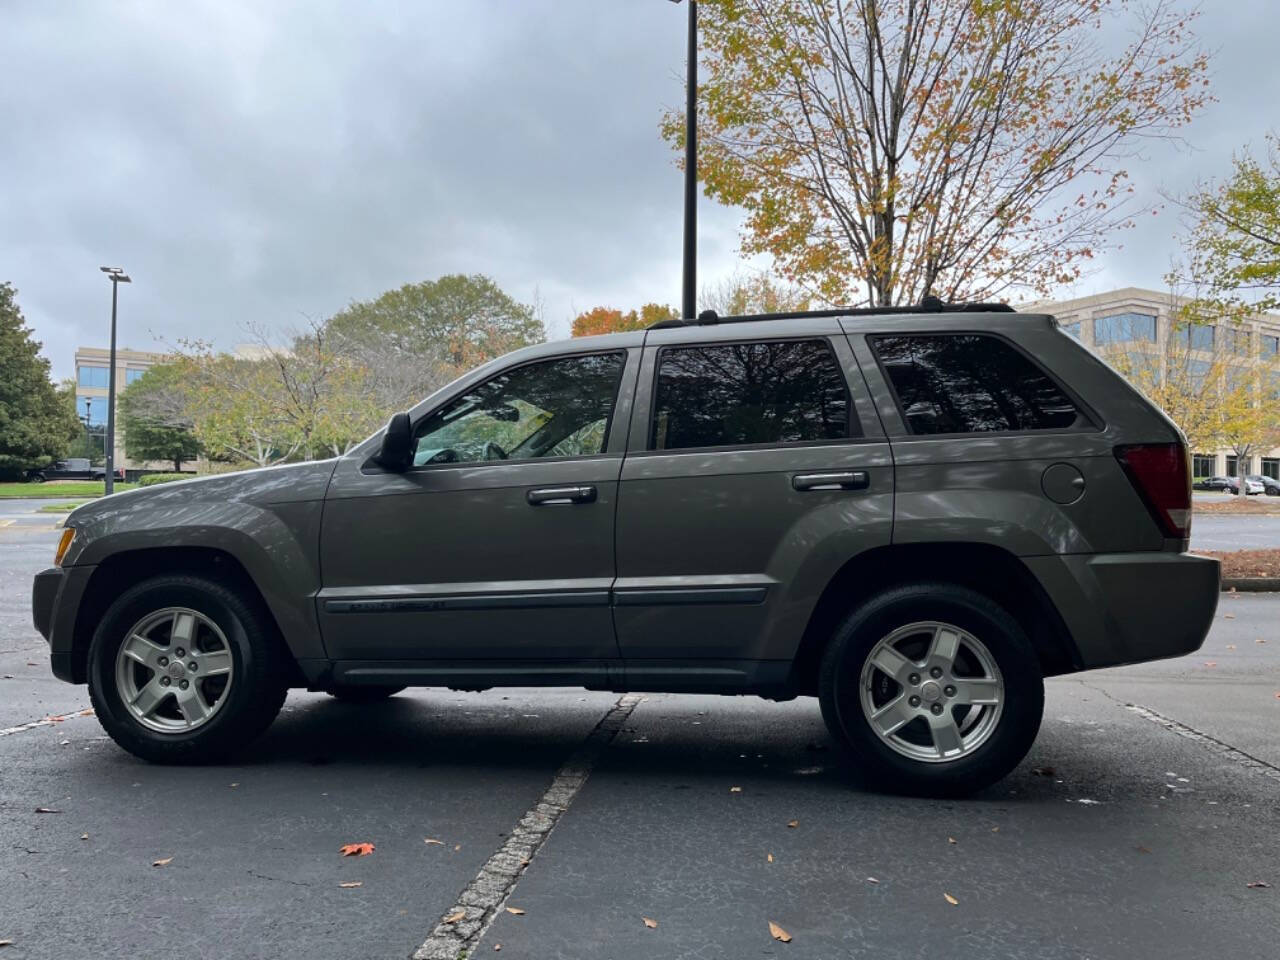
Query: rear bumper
55,600
1130,607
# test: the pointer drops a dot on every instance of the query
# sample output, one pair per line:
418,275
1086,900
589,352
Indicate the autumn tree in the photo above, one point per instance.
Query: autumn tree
610,320
887,150
37,423
1232,247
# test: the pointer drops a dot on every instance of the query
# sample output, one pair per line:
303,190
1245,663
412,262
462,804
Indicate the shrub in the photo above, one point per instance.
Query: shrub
151,479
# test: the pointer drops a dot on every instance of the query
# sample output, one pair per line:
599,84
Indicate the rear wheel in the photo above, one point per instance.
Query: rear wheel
362,694
932,689
182,669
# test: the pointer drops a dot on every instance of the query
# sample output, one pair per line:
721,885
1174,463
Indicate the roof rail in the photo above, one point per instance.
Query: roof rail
929,305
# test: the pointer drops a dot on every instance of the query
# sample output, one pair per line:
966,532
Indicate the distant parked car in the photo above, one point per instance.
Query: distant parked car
1213,483
1270,485
76,468
1251,486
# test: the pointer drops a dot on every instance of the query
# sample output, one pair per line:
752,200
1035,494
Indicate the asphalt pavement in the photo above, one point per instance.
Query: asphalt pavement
1134,829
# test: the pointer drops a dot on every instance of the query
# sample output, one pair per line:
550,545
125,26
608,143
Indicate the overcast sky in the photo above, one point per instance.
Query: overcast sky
266,162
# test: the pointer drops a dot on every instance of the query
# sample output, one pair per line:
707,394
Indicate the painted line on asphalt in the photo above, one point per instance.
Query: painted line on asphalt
462,926
46,722
1231,753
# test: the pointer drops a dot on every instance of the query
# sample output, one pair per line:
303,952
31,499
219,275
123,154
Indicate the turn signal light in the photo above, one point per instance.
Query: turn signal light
68,535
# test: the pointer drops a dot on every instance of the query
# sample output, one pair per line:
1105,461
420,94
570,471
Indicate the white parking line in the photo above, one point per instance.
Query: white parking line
46,722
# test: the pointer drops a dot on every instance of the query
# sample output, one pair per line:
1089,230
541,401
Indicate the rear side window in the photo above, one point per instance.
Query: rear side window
785,391
971,383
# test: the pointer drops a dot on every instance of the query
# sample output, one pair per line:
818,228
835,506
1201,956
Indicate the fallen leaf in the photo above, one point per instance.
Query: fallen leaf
84,836
1142,849
1211,663
457,847
1259,641
872,880
951,900
735,789
951,839
796,823
497,946
778,933
1231,646
430,840
995,829
1043,772
650,923
1228,616
233,785
350,884
46,810
356,849
771,858
6,943
516,911
454,917
1258,885
162,863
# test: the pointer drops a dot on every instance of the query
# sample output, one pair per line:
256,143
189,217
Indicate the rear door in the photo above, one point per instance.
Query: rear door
756,467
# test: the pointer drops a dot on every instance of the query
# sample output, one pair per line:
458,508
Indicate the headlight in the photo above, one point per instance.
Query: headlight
68,534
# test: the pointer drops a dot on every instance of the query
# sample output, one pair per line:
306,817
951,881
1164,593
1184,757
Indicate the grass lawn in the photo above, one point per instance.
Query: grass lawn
59,507
58,490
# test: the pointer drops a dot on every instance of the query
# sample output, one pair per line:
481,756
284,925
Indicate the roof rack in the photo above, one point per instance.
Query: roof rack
928,305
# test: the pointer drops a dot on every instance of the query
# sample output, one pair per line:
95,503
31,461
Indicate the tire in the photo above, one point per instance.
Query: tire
229,637
362,694
36,478
915,759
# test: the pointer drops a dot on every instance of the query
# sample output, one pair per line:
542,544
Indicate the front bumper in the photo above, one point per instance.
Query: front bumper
55,601
1131,607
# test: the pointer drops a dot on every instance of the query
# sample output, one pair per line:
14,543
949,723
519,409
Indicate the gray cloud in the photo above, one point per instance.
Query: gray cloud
264,162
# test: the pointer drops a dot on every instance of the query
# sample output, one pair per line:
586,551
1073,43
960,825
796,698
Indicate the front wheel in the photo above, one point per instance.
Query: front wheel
932,689
184,670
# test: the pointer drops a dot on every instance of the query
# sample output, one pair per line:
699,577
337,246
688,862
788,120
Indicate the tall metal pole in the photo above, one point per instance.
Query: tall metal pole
110,479
689,297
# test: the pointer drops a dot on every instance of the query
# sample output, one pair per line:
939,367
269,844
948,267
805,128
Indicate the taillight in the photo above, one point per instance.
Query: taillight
1161,473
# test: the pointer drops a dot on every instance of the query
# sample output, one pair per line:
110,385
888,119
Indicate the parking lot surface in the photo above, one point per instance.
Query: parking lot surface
1146,809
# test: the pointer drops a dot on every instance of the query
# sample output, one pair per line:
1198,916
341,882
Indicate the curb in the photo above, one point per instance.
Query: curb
1250,584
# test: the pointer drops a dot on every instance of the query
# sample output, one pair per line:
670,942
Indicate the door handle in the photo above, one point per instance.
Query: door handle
851,480
545,496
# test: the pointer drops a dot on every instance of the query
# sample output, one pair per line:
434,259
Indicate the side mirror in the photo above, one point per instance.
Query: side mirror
396,452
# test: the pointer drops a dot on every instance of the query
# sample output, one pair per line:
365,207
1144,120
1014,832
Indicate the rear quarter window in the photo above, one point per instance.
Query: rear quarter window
971,383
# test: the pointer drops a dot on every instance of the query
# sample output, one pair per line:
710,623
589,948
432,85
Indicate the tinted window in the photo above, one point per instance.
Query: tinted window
94,376
969,383
555,408
744,393
1122,327
1195,336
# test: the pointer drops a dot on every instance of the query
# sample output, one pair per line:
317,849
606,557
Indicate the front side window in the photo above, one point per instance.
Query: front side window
555,408
1124,327
740,394
971,383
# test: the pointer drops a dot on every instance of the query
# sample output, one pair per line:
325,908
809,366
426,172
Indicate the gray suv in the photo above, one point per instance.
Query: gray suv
914,515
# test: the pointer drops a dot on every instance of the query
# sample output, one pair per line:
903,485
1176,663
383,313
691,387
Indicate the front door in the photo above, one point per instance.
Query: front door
497,544
757,468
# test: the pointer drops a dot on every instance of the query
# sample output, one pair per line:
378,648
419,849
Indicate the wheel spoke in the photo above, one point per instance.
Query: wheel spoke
184,628
143,651
214,663
889,661
893,716
946,735
148,698
979,691
191,703
943,648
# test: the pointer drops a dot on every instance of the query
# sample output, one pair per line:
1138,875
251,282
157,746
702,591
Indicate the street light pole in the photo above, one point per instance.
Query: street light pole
117,276
689,298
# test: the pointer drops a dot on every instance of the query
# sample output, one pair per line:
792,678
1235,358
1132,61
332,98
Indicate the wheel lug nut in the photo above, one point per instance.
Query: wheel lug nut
164,681
163,661
179,652
913,679
936,672
936,708
949,690
192,666
914,701
184,684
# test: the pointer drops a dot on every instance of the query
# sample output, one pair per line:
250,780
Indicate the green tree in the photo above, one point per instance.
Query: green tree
155,417
886,150
37,424
468,318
